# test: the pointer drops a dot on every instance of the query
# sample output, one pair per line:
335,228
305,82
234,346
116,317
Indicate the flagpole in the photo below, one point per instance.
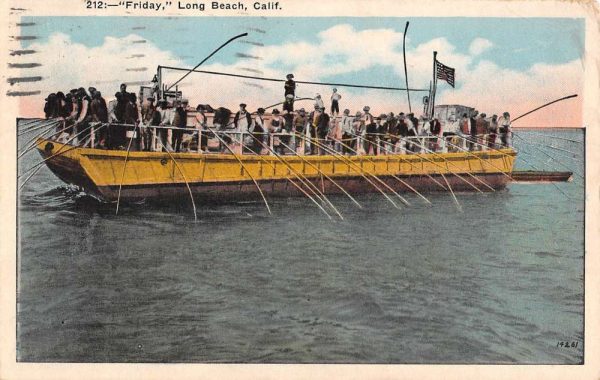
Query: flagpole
426,108
405,70
432,101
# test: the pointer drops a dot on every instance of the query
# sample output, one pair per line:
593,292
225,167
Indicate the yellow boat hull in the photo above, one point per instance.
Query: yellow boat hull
221,176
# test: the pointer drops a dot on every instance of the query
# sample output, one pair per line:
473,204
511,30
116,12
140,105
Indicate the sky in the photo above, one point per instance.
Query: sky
502,64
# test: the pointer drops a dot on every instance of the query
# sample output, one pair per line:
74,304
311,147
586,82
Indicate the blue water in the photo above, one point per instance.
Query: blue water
499,282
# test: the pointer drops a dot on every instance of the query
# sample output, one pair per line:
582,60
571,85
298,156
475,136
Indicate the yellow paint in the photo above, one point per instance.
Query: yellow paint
104,167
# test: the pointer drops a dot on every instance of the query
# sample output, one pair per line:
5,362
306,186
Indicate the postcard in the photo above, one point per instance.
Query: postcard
278,189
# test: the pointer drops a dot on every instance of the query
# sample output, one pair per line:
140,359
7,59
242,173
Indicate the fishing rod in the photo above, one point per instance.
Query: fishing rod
447,168
182,175
536,168
551,157
555,137
407,161
38,166
289,179
39,125
480,159
545,105
323,174
301,82
205,59
307,180
392,175
431,177
308,183
243,167
124,166
355,166
30,144
327,148
29,123
570,154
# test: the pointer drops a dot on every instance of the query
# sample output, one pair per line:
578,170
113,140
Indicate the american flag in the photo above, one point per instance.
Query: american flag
444,72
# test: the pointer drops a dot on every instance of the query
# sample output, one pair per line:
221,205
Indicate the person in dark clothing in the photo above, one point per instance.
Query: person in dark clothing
402,125
68,104
392,130
99,114
323,128
382,132
50,106
290,86
371,138
180,122
473,124
123,89
85,114
414,121
131,118
288,118
98,109
435,127
62,110
288,104
92,91
258,131
119,110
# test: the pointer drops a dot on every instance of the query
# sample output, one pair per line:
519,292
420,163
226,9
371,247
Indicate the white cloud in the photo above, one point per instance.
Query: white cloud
339,50
479,45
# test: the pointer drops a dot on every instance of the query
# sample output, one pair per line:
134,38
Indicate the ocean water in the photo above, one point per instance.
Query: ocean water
499,282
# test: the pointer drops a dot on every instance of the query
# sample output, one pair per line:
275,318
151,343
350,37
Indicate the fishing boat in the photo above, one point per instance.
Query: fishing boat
109,174
418,164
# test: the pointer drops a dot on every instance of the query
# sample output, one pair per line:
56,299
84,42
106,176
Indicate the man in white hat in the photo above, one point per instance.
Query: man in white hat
370,131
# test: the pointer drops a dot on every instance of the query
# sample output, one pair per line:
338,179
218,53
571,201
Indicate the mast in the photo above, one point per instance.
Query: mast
405,70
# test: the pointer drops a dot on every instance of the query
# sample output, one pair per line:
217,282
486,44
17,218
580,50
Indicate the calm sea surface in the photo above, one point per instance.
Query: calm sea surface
500,282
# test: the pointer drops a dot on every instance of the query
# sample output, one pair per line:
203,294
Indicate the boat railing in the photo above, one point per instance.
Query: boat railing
203,140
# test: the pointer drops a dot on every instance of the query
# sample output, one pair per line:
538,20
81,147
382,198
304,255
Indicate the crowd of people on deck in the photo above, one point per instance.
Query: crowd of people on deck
164,125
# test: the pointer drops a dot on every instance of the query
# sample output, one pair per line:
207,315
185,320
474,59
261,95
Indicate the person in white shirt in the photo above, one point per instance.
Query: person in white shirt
358,127
335,102
319,102
166,120
347,132
242,119
202,127
412,133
